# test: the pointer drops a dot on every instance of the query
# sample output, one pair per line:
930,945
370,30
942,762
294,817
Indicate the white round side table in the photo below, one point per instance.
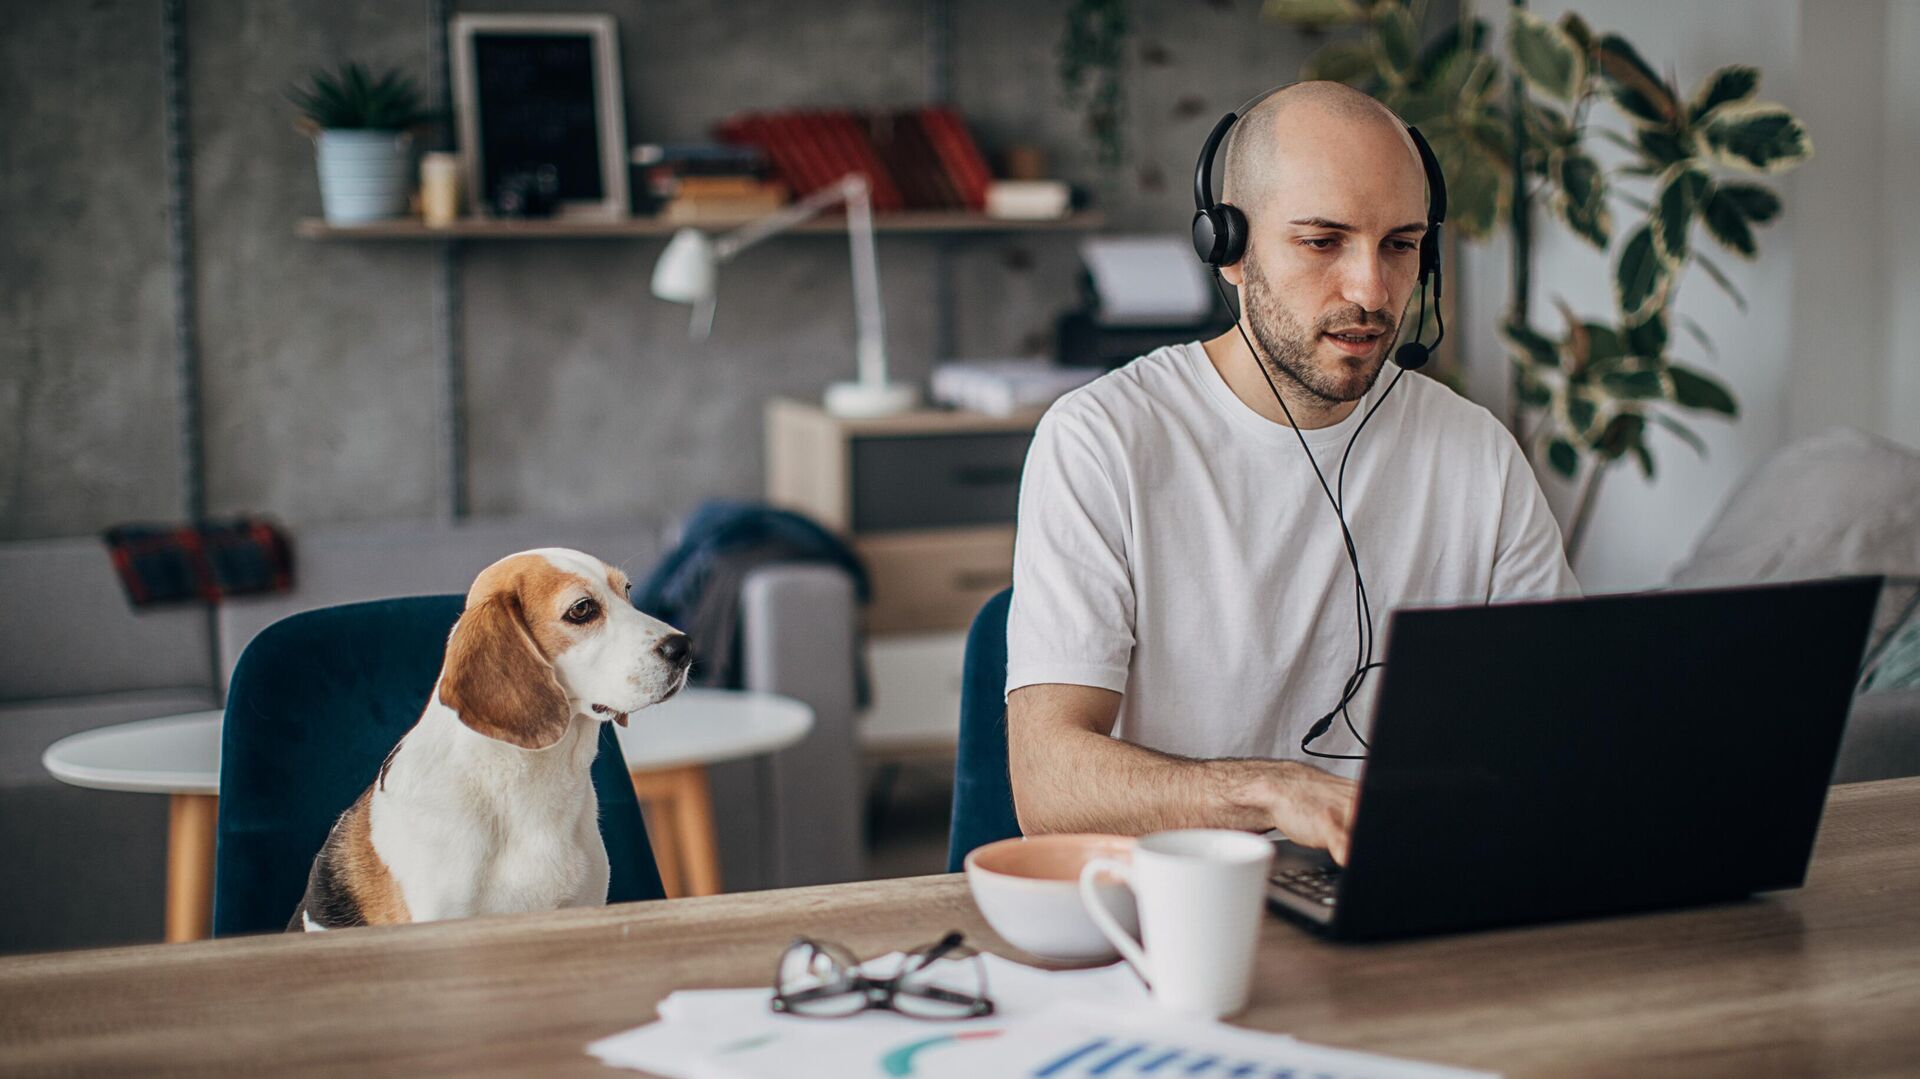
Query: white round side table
667,746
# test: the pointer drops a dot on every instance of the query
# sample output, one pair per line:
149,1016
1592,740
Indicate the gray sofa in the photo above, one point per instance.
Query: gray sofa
1840,502
77,657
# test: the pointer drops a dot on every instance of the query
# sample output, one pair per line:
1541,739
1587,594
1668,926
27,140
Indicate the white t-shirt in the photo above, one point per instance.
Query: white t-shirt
1174,546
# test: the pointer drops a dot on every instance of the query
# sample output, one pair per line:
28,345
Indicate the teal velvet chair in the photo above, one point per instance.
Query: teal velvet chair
982,790
316,702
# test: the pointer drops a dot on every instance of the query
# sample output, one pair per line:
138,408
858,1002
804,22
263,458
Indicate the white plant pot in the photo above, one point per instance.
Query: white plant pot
363,174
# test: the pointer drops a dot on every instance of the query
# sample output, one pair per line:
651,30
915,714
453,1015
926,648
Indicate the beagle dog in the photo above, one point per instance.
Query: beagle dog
486,805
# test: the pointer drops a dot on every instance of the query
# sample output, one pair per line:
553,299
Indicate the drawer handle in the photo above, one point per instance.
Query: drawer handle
972,580
986,475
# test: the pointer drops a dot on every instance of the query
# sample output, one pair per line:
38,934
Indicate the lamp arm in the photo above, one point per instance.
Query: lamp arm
853,189
726,247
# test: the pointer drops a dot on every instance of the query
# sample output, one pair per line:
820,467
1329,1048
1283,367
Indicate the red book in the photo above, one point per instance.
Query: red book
959,154
858,155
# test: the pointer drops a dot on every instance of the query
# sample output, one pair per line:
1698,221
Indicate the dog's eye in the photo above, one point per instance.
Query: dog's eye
586,610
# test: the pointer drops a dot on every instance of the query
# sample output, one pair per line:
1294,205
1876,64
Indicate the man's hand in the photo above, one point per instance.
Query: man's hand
1313,808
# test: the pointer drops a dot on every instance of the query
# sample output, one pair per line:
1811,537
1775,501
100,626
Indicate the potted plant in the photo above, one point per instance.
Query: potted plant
361,126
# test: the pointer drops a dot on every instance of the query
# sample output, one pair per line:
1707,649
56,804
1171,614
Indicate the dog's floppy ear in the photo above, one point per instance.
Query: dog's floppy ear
498,681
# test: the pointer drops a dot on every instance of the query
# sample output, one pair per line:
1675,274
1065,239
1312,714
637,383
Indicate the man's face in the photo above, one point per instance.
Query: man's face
1334,258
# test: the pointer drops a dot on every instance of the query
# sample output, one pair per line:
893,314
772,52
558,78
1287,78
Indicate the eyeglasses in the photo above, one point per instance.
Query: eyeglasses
821,980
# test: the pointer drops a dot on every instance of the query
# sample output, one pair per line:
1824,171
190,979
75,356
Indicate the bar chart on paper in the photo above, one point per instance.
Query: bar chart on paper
1103,1057
1074,1042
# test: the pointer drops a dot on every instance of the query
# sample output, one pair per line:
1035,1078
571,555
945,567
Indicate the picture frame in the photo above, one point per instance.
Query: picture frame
532,91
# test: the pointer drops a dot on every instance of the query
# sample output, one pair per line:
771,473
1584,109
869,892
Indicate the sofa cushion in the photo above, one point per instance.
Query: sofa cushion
1840,502
335,564
66,627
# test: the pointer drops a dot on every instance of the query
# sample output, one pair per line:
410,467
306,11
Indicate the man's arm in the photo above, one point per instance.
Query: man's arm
1070,775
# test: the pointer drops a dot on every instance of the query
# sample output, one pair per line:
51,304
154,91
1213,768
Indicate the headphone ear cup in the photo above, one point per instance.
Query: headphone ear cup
1233,234
1206,235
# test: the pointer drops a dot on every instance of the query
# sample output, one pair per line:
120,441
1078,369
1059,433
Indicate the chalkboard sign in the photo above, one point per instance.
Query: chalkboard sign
539,104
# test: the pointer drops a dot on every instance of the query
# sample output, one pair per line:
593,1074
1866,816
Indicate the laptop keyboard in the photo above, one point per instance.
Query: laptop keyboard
1320,885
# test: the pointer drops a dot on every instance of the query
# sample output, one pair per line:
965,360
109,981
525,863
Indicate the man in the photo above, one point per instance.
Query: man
1183,604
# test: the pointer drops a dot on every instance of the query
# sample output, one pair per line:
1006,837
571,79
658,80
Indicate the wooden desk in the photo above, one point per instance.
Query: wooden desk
1820,981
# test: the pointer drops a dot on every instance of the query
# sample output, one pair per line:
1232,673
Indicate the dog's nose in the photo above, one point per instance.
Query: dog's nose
675,649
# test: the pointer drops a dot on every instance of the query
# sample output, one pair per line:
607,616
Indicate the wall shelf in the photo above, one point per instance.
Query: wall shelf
905,222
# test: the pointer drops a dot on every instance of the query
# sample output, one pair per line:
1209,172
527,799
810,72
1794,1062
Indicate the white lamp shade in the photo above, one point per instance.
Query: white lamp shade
686,269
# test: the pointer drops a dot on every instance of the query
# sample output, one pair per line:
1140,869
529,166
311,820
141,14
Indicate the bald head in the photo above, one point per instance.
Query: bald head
1313,119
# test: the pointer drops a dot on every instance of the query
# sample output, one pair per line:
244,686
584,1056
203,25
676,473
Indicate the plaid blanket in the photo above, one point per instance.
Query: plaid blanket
206,562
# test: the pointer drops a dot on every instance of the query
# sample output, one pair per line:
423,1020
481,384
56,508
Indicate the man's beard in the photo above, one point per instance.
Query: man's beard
1288,347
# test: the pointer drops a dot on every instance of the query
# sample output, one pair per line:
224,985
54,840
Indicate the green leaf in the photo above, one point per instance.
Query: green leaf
1639,92
1643,385
1758,136
1342,61
1664,147
1735,82
1720,278
1576,28
1448,46
1728,226
1684,432
1529,345
1641,277
1532,391
1477,189
1604,343
1580,413
1546,55
1399,44
1648,336
1623,432
1313,12
1757,204
1692,389
1681,190
1563,458
1582,197
1644,456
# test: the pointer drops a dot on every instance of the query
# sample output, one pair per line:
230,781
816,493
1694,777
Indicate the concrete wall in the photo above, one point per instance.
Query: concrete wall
321,375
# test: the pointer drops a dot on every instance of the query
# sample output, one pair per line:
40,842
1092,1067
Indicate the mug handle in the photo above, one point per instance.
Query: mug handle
1122,941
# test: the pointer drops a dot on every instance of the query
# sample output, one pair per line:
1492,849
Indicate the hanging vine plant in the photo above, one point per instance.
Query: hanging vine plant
1093,48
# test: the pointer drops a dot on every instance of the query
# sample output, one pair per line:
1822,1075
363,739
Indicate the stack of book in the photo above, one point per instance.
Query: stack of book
705,183
914,159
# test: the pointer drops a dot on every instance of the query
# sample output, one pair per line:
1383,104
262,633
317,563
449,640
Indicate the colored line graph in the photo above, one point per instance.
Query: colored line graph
899,1062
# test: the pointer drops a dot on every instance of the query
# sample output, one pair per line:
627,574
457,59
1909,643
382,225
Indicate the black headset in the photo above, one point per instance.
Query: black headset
1220,228
1220,239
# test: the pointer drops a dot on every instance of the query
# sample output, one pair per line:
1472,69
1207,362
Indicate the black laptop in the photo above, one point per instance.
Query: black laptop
1565,759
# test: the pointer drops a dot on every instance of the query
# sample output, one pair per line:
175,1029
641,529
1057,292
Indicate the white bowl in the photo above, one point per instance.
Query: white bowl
1029,890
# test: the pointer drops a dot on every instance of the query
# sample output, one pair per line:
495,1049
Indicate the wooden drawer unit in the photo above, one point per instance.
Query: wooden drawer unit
927,500
926,581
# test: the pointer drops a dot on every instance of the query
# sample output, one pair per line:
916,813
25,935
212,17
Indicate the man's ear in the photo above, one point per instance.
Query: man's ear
497,680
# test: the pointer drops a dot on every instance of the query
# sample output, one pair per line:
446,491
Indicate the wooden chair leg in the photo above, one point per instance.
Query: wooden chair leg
190,837
698,845
660,799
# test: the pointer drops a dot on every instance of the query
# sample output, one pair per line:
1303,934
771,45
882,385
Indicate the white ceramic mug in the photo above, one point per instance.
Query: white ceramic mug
1200,894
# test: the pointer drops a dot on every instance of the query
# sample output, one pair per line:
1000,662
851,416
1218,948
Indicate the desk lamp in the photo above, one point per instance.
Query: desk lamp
687,272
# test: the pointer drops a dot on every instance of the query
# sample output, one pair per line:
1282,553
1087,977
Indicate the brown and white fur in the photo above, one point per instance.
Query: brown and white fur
486,805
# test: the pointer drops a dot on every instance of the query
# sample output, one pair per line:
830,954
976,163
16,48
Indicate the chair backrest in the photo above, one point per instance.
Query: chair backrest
982,791
316,703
